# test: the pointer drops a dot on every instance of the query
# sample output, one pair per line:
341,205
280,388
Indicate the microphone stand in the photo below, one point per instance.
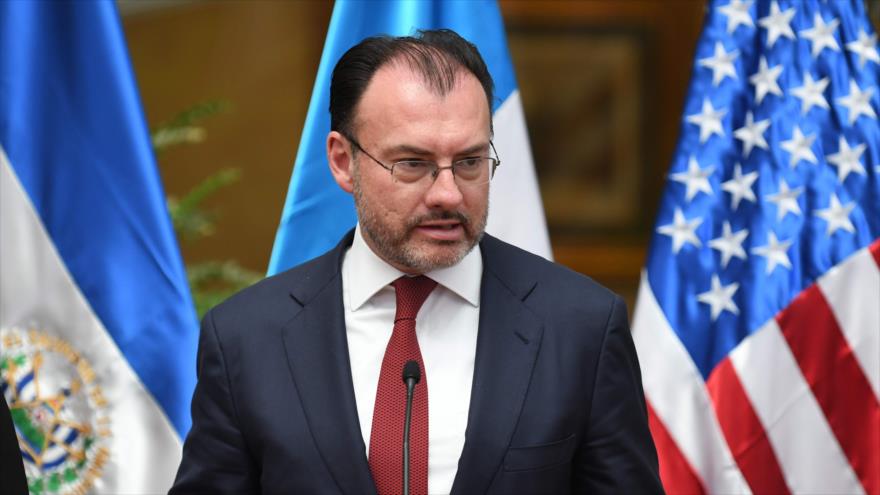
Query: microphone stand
411,376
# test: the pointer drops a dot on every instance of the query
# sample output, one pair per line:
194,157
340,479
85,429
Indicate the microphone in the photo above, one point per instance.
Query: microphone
411,376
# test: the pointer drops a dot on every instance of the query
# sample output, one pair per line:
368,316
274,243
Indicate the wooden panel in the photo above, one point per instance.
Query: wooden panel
262,58
603,133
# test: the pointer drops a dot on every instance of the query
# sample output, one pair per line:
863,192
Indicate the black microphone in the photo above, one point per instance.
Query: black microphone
411,375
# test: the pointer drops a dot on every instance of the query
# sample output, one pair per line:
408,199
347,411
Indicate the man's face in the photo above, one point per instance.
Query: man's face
426,225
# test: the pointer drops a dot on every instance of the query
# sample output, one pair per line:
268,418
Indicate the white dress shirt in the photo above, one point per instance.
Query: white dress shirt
446,327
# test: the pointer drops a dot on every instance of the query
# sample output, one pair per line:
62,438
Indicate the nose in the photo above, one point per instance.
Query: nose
444,192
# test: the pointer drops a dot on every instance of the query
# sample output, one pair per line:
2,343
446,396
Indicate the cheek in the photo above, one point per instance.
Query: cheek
476,200
392,201
405,204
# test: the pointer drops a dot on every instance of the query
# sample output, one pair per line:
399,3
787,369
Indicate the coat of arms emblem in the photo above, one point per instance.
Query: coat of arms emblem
58,409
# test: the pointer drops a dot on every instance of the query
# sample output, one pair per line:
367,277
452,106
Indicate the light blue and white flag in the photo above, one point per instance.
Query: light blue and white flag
98,333
317,213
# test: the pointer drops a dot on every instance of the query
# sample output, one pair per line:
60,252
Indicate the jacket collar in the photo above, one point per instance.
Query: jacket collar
507,346
317,352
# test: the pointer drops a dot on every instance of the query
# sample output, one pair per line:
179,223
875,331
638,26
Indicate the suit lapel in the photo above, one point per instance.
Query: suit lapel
317,352
507,346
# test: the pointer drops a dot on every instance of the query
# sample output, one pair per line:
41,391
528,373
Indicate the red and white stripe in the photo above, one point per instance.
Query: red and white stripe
694,457
793,409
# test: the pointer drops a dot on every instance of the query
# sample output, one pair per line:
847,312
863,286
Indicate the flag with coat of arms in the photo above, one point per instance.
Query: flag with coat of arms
98,333
758,315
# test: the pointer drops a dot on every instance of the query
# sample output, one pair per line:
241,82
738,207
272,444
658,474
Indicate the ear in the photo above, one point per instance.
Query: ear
340,161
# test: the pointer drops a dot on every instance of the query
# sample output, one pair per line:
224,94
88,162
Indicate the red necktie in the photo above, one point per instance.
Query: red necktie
386,437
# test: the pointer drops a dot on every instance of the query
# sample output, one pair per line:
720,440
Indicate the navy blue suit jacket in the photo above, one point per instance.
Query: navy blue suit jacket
556,405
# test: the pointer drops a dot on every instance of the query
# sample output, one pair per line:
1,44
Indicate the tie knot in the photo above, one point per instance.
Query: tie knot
411,294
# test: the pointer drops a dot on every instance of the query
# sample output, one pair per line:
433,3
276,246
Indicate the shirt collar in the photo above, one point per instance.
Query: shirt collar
373,273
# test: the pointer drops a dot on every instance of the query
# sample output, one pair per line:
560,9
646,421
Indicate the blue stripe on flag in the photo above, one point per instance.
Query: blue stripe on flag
73,129
317,213
765,287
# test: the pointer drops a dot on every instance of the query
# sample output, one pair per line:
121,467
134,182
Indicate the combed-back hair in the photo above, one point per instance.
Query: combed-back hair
439,56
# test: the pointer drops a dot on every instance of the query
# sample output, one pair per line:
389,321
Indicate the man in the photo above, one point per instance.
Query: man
529,381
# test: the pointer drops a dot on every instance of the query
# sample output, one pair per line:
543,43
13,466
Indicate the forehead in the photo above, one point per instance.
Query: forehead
399,102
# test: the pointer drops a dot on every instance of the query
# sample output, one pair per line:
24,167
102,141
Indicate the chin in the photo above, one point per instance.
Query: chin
436,255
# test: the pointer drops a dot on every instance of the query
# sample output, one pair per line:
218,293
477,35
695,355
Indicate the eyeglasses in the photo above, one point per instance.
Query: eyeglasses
470,171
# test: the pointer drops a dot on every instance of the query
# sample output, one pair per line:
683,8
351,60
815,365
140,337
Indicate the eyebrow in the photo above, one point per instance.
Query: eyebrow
415,150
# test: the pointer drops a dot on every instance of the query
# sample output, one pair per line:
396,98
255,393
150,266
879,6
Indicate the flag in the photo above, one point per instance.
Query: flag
317,212
757,322
98,334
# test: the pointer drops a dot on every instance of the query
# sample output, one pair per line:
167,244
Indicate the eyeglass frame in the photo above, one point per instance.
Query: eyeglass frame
437,168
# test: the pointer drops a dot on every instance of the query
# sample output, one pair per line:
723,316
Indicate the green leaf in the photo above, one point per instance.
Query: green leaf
190,219
212,282
181,128
173,136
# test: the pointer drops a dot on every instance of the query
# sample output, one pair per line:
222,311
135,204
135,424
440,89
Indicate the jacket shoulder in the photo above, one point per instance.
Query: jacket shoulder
544,285
275,294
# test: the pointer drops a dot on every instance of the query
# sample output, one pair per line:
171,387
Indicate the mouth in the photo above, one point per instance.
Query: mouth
442,230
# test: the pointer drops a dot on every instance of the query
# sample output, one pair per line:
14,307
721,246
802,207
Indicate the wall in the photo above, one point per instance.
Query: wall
261,58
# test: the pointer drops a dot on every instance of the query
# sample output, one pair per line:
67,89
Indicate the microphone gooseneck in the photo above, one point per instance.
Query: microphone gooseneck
411,376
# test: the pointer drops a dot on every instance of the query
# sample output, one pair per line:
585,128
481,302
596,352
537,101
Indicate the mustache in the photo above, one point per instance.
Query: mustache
463,219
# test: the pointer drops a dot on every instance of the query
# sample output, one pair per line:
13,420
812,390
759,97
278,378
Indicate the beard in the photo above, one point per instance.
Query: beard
395,243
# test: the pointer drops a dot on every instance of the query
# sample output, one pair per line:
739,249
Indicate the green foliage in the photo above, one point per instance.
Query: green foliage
182,129
214,281
210,281
191,220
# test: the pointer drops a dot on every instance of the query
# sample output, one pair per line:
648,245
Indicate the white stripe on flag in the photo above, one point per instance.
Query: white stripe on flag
678,395
851,289
514,198
36,290
806,449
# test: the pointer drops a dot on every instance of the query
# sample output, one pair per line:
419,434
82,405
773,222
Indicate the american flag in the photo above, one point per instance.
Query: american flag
758,317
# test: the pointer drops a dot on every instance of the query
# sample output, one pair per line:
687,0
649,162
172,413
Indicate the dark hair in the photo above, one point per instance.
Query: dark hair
437,55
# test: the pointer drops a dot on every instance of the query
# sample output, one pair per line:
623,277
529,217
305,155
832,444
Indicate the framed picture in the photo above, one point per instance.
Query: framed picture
585,98
603,84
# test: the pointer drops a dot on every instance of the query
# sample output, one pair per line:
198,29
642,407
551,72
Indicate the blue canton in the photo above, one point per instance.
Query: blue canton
776,176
